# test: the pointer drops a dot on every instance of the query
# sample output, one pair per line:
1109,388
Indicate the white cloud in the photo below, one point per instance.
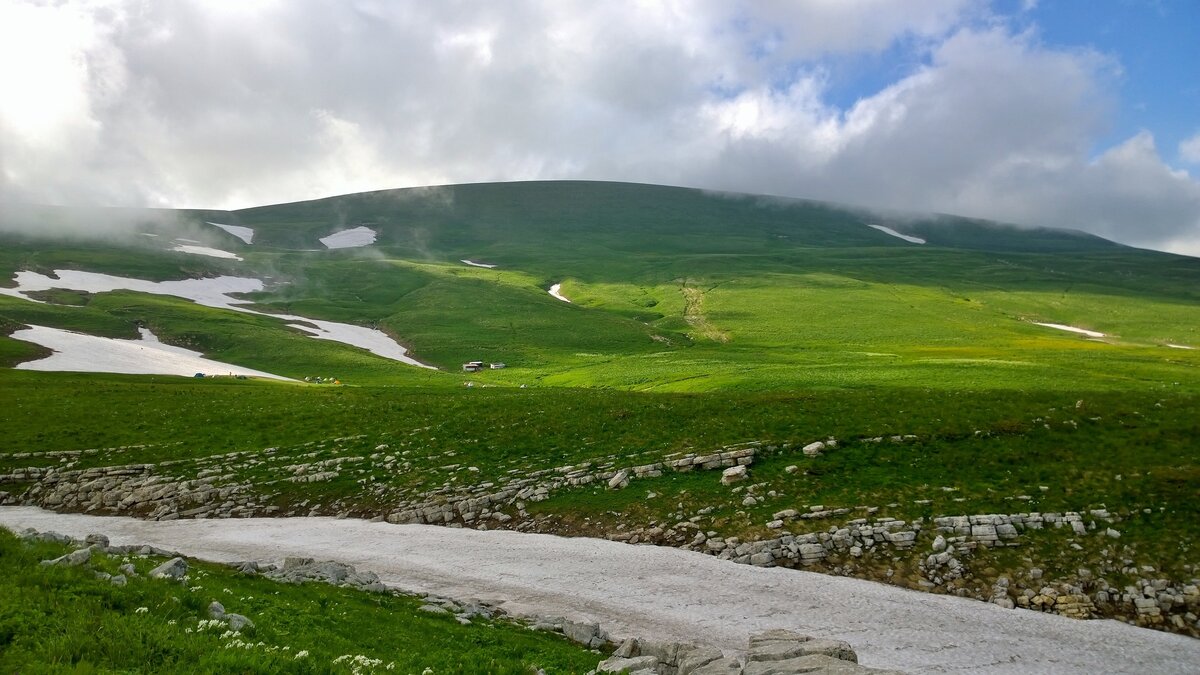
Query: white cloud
237,104
1189,149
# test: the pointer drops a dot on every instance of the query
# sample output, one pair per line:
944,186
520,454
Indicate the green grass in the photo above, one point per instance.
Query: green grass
62,619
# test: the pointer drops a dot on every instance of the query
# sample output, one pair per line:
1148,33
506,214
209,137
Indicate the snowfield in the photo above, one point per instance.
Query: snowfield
214,292
205,250
887,230
246,234
477,264
556,291
666,593
1072,329
353,238
82,353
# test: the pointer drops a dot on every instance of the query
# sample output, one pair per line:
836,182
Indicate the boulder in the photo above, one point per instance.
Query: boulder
216,610
733,475
813,449
619,480
175,568
73,559
619,664
587,634
237,622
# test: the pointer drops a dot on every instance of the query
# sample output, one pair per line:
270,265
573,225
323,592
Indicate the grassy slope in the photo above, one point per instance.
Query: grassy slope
698,320
62,619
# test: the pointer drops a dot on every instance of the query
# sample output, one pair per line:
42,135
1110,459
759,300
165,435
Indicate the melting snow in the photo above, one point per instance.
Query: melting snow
92,354
1179,346
204,250
662,593
1072,329
246,234
213,292
475,264
555,291
887,230
352,238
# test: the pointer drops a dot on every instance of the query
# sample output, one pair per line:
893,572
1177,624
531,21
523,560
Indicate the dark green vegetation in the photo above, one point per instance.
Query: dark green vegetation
697,320
64,619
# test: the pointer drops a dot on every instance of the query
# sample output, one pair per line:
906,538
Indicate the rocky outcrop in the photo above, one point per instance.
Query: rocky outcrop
775,652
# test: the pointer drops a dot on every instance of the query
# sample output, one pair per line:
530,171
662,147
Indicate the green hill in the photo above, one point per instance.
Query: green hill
696,321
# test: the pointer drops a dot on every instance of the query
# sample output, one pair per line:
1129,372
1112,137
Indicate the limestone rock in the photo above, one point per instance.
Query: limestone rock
733,475
617,664
175,568
237,622
73,559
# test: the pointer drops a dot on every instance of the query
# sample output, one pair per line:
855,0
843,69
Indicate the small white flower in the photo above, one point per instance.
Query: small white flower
300,654
172,622
141,610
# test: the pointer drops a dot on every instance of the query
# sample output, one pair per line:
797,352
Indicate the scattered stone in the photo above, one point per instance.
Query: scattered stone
237,622
216,610
175,568
73,559
733,475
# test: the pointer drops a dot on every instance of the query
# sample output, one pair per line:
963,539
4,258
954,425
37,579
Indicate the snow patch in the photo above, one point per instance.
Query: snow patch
1072,329
668,594
555,291
906,237
82,353
476,264
352,238
205,250
1173,346
213,292
246,234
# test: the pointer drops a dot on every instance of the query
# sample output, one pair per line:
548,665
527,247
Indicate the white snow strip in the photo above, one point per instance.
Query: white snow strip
475,264
147,234
204,250
555,291
213,292
1179,346
246,234
1072,329
663,593
352,238
906,237
82,353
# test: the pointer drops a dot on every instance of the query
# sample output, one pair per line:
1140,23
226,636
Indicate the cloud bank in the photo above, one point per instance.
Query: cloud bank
226,105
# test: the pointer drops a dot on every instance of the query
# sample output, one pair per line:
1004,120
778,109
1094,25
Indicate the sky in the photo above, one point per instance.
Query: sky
1061,113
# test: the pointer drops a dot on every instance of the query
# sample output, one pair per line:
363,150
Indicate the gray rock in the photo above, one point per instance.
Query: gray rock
617,664
96,540
692,659
128,570
291,563
733,475
816,664
73,559
175,568
216,610
433,609
628,649
118,580
586,634
237,622
721,666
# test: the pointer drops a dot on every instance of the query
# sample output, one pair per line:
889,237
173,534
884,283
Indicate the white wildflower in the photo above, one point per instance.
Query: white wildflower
141,610
300,654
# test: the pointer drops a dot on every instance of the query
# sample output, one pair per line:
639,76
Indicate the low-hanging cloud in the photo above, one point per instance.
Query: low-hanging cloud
226,105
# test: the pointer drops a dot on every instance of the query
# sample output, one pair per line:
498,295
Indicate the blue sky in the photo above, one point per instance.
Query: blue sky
1156,44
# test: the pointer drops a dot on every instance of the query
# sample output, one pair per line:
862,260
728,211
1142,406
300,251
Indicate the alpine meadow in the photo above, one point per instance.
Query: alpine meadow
956,406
